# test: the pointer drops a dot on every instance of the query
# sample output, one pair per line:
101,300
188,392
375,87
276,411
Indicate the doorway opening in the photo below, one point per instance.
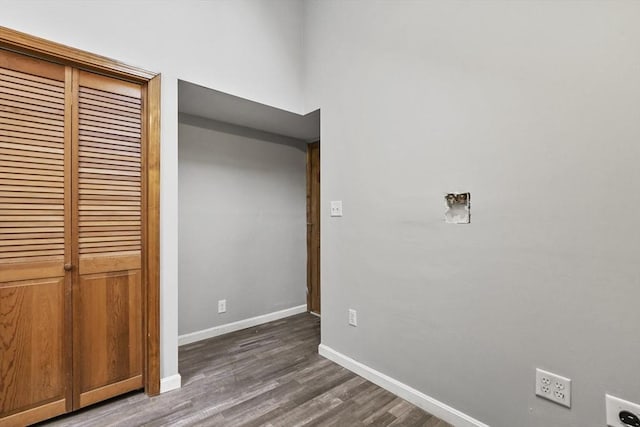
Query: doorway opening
242,213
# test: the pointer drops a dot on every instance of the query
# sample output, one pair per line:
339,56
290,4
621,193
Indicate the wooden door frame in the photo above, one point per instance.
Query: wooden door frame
34,46
310,250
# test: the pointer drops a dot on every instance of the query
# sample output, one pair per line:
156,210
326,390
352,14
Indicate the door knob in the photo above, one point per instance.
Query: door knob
68,267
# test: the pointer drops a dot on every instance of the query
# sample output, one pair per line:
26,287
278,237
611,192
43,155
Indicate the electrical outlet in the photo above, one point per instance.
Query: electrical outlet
621,413
336,208
222,306
553,387
353,317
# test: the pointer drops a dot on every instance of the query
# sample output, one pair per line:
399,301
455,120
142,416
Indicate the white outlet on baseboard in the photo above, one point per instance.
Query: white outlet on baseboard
353,317
222,306
617,407
553,387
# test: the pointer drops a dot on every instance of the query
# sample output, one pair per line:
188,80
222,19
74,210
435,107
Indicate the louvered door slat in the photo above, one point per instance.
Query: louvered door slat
30,116
27,131
92,141
30,97
30,177
30,171
99,177
118,154
93,160
106,138
96,119
18,106
113,130
11,237
90,182
91,229
19,85
105,111
39,241
30,164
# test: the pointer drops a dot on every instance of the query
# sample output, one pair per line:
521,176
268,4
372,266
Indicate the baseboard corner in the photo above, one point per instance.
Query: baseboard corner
172,382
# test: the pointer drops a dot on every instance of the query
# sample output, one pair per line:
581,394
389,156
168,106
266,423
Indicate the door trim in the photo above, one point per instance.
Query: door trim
59,53
56,52
313,231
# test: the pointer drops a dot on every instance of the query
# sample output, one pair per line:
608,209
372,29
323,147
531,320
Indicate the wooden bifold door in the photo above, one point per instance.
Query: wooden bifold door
71,233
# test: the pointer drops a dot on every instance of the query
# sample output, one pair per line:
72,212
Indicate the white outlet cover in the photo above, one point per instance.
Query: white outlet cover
615,405
553,387
222,306
336,208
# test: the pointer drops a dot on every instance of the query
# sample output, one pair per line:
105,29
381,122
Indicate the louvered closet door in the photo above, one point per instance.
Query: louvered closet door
108,337
35,224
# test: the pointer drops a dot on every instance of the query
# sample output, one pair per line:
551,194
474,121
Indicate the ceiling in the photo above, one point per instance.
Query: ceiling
215,105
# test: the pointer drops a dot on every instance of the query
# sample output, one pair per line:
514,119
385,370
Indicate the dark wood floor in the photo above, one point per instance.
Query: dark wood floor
270,375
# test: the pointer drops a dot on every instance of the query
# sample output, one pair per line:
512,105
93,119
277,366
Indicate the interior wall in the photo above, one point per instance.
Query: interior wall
242,210
249,48
534,108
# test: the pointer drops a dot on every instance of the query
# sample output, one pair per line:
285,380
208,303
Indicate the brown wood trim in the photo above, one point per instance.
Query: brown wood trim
152,234
313,228
76,383
110,390
143,231
57,52
34,415
309,230
69,232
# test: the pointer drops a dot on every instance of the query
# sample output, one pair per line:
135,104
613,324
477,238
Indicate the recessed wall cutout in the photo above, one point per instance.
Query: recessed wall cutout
458,208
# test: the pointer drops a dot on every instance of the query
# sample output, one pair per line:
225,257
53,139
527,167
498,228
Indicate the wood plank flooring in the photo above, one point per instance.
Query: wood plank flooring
270,375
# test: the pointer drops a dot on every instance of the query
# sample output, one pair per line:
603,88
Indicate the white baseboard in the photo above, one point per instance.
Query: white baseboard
241,324
170,383
421,400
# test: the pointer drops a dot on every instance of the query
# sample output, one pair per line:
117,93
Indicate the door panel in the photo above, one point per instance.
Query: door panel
110,333
108,330
35,239
32,363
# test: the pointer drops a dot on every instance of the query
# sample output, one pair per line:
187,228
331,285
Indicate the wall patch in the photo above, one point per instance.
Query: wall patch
458,208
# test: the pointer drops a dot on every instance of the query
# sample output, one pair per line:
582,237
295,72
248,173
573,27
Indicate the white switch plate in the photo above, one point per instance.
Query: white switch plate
336,208
553,387
353,317
222,306
615,405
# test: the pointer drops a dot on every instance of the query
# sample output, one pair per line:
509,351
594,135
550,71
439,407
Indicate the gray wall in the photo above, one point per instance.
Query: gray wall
533,107
242,216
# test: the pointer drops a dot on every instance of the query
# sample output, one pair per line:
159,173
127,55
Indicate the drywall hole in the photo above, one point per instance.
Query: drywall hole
458,208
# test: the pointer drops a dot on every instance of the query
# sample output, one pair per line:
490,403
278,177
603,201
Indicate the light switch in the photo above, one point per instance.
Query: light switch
336,208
